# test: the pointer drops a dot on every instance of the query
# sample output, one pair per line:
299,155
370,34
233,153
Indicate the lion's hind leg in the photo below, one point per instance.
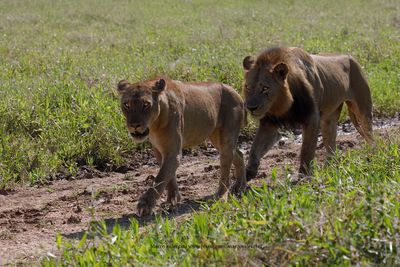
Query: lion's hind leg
329,131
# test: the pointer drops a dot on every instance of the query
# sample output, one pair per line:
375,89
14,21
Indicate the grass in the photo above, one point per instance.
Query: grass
348,214
61,60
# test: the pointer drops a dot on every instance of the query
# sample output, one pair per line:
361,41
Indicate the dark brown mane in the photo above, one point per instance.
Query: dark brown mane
273,56
303,102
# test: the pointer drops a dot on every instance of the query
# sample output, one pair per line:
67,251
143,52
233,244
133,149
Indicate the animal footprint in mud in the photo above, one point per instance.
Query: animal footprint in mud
73,219
291,155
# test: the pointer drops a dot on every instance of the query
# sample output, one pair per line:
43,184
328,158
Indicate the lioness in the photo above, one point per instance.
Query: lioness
176,115
286,87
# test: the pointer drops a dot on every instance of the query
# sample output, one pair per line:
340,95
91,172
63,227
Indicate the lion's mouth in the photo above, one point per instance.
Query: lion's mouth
257,113
140,135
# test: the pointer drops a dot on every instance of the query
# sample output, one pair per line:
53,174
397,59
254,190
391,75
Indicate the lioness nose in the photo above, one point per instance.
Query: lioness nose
251,108
135,125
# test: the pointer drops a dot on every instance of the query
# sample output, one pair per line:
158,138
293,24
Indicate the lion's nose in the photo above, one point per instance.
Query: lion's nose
251,108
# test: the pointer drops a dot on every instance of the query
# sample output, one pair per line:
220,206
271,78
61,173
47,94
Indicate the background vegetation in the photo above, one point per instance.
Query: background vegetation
61,60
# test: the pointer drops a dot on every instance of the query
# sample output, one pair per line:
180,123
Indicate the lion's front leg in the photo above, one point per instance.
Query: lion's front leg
167,173
267,135
310,138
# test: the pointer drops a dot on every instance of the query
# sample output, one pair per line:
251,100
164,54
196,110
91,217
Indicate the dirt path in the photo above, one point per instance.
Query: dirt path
31,217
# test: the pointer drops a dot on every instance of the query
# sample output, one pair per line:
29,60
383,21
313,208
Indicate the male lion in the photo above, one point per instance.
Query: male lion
286,87
176,115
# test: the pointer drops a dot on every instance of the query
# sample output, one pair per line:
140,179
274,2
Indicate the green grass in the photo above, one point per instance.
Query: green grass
61,60
348,214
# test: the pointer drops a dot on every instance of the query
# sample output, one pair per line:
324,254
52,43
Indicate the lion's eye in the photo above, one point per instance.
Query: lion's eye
146,105
265,90
126,105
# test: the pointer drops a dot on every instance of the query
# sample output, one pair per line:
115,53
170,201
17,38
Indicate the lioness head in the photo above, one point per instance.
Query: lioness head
265,87
139,103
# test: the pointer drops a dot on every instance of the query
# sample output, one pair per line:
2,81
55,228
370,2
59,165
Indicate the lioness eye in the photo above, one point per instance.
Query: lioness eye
126,105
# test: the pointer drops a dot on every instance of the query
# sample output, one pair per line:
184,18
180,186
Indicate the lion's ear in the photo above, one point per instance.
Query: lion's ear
248,62
281,70
122,85
159,86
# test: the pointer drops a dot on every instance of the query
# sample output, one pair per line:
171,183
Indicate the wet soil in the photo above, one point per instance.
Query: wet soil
31,217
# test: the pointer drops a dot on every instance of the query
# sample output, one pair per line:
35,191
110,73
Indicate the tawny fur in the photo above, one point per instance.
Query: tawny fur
287,87
176,115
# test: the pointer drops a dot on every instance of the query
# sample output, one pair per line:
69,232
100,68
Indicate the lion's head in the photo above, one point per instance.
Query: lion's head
265,85
140,105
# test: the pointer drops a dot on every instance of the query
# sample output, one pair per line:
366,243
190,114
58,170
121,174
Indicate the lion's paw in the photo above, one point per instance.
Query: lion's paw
238,188
221,194
250,174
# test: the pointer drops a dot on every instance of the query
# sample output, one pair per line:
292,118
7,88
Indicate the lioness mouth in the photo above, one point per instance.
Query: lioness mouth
139,135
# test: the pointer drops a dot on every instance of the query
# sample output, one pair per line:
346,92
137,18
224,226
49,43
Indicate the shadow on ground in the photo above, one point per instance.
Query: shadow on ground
185,207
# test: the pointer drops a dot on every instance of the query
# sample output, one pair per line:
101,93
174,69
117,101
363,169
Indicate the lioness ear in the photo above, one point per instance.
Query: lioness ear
248,62
122,85
281,70
159,86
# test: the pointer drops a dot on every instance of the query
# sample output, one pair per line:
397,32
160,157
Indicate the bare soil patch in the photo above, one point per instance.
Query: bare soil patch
31,217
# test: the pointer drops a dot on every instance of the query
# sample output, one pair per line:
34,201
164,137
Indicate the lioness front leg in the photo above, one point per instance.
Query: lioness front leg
267,135
166,174
173,195
310,138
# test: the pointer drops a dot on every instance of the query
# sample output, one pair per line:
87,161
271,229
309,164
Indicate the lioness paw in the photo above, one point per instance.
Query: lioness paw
173,197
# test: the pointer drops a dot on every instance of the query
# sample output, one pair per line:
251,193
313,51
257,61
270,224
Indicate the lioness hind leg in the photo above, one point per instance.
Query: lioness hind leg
328,130
226,148
361,117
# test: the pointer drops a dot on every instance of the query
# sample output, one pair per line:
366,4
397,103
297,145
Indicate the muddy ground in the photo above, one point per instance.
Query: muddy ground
31,217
